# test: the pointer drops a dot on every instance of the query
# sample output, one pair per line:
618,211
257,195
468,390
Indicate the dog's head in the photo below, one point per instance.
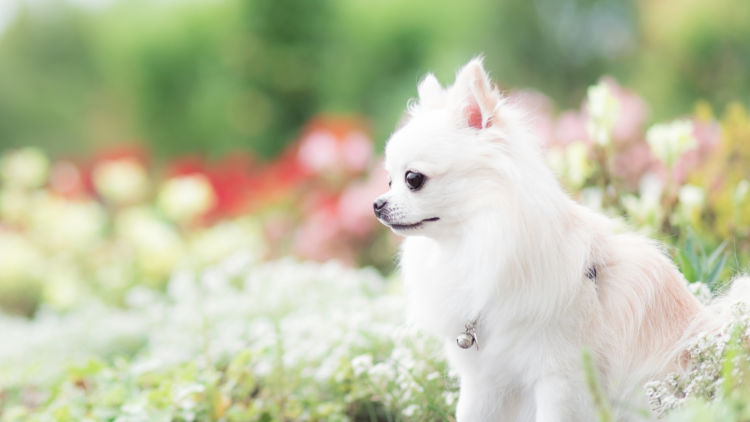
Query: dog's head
453,159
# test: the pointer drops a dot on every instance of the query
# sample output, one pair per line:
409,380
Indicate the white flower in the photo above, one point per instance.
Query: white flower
578,165
645,209
63,224
410,410
433,376
571,163
603,108
668,141
19,256
122,181
691,201
701,291
361,364
186,197
741,191
157,244
14,205
224,239
450,397
692,197
62,285
26,168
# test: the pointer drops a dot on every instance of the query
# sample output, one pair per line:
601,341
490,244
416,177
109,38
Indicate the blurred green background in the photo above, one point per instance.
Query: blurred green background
214,76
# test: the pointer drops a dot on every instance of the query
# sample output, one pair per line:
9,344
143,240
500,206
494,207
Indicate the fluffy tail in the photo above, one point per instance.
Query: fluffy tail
725,304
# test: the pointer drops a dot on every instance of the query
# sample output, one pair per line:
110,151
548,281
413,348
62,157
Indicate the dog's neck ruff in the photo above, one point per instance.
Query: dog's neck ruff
469,337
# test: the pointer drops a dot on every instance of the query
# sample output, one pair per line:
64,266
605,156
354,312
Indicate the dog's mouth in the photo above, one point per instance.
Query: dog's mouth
411,226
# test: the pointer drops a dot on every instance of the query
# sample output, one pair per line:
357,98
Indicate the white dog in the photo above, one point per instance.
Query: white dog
516,277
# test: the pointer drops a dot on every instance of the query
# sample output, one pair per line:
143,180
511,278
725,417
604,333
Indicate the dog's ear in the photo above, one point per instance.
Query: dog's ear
479,95
430,91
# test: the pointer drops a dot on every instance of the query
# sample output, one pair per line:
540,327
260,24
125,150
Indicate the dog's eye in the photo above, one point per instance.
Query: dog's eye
414,180
390,182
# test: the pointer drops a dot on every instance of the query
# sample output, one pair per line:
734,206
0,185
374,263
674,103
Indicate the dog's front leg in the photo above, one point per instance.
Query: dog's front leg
559,399
484,402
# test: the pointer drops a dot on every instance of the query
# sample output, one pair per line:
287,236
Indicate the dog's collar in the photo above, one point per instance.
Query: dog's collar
469,337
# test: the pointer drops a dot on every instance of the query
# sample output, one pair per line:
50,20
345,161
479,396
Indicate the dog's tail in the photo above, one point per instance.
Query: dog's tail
738,294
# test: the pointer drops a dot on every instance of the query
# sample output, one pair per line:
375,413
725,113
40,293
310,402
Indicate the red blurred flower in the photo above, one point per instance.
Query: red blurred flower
234,180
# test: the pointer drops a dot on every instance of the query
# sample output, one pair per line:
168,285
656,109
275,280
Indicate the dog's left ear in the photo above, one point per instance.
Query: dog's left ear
480,96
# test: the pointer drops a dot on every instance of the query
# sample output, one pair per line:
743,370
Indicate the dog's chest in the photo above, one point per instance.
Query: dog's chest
445,293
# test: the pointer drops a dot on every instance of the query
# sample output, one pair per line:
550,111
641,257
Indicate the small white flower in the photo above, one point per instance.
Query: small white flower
668,141
450,397
157,244
122,181
63,285
691,201
741,191
645,208
410,410
19,256
186,197
572,164
578,164
62,224
603,108
14,205
433,376
701,291
361,364
25,168
692,197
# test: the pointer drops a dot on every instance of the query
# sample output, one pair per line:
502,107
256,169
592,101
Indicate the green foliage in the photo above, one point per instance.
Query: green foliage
699,265
219,76
601,402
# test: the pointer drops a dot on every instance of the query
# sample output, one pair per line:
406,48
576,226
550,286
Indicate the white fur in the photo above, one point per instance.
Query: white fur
511,249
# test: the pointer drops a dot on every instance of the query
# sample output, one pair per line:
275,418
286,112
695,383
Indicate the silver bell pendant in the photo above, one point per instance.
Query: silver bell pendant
469,337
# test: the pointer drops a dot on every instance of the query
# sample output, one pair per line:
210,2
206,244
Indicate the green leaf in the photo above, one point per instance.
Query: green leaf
715,254
713,276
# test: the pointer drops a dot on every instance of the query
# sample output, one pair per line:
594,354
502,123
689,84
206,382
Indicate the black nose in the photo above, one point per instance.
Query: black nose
379,204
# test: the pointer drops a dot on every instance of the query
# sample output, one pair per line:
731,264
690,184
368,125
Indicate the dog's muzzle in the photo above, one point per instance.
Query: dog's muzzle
379,207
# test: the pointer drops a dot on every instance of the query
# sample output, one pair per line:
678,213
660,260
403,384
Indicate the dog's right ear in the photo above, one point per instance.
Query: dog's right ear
430,91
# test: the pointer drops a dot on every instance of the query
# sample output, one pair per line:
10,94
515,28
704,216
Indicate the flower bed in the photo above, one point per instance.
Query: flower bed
238,341
136,292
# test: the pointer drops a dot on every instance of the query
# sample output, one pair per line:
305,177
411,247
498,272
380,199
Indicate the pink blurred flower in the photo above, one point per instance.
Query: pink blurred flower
539,108
632,162
316,236
631,115
355,203
334,145
66,179
356,151
707,134
318,151
570,127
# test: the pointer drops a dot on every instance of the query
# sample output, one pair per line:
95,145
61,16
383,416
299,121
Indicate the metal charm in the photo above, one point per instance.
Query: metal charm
469,337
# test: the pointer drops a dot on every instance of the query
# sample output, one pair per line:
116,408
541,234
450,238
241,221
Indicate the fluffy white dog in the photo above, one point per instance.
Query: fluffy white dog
516,277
